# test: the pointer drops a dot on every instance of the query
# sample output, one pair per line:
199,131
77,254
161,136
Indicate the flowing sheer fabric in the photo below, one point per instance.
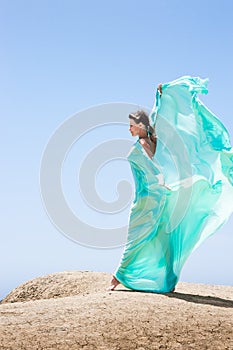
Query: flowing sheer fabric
195,159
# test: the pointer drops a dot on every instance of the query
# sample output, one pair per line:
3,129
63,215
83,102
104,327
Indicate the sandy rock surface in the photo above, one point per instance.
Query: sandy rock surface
72,310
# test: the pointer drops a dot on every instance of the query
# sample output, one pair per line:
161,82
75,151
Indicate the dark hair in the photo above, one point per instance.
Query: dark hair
141,116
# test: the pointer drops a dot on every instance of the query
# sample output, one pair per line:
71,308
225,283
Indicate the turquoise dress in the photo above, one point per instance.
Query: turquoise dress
183,194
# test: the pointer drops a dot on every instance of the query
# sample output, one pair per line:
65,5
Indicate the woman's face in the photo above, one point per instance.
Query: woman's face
133,127
136,129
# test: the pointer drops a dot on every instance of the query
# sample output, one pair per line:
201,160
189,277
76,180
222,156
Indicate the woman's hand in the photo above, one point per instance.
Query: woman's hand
160,88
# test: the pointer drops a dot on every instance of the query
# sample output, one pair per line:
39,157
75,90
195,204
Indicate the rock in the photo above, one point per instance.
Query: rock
57,285
73,310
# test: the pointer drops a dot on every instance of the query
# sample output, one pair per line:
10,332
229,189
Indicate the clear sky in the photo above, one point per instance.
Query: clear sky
61,57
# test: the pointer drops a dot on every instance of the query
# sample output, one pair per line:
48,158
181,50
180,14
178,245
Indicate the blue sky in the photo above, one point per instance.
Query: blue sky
60,57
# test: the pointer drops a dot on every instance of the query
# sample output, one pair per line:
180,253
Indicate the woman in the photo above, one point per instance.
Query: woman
192,153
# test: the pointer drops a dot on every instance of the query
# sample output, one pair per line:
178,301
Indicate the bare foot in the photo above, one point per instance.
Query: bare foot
114,283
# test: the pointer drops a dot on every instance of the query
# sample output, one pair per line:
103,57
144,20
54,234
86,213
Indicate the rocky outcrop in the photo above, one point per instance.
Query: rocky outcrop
73,310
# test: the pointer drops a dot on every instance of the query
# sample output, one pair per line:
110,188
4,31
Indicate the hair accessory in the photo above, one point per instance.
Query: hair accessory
132,115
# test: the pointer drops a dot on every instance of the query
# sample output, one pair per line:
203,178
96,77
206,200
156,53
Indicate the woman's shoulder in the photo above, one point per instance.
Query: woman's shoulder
142,142
148,146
